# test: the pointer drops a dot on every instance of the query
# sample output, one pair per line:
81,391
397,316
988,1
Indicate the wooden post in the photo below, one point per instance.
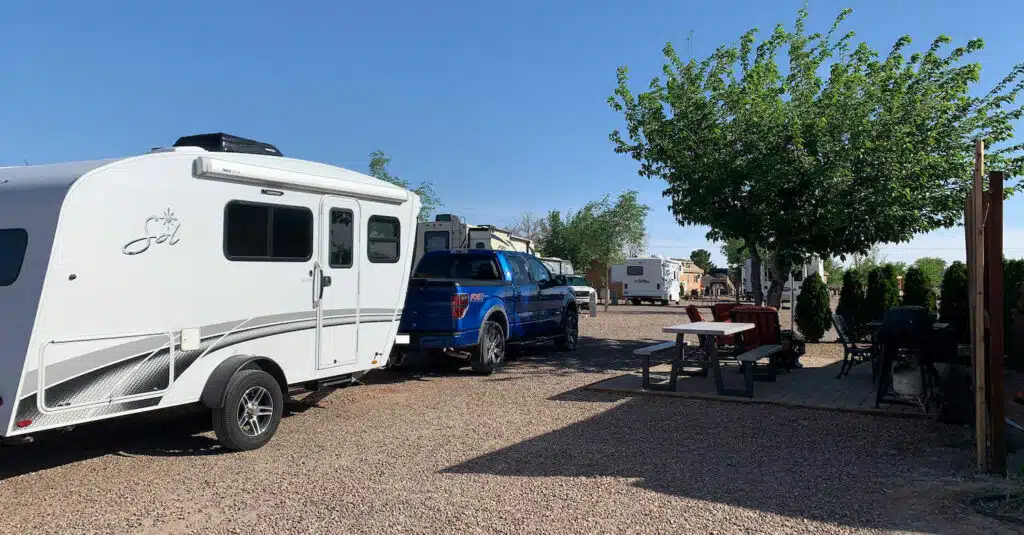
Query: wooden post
976,269
996,352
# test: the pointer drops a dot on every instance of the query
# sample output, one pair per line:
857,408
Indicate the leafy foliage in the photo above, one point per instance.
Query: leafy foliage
1013,278
735,252
877,151
953,307
883,293
899,268
813,315
833,272
702,257
598,232
429,199
851,297
917,291
932,267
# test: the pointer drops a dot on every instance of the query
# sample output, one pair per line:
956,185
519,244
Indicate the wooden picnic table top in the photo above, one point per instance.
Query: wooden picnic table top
719,328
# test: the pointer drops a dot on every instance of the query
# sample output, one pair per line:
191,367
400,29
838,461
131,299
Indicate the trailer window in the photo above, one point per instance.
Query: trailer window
436,240
13,242
258,232
382,244
634,270
340,238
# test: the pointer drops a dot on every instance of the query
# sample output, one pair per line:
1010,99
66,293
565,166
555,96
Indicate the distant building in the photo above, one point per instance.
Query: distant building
691,276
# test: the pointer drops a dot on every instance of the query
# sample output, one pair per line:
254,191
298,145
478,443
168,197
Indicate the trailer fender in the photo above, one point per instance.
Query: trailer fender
213,392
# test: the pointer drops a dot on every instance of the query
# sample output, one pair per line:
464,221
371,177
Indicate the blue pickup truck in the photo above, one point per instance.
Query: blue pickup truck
473,303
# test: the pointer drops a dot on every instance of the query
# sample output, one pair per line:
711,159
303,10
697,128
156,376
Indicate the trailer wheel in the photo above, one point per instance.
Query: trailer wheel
489,354
251,411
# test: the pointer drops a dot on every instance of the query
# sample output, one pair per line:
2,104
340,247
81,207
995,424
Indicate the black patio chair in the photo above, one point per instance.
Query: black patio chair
852,353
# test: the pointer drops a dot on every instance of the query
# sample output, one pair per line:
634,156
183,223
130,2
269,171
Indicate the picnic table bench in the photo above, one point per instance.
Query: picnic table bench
649,355
748,364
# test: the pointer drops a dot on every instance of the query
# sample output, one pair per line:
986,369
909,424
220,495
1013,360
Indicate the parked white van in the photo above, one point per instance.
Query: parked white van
653,279
215,272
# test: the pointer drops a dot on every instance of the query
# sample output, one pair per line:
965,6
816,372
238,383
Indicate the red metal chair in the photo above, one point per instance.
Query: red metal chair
767,330
721,312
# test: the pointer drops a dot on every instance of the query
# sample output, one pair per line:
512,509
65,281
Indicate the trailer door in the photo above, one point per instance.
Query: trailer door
337,287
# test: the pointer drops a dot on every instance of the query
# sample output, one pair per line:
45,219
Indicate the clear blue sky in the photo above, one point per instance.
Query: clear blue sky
501,105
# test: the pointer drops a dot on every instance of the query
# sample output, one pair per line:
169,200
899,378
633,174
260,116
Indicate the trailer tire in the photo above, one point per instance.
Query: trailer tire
255,395
489,353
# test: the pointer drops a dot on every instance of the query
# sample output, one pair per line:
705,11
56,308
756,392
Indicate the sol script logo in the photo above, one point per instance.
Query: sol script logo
158,229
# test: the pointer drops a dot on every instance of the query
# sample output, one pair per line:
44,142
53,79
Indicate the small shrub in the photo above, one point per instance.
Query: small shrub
813,315
917,290
953,298
883,293
851,297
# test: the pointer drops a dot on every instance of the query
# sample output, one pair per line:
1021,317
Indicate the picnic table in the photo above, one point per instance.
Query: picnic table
704,355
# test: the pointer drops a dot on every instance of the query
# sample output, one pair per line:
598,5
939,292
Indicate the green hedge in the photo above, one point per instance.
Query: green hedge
883,293
917,290
813,315
953,297
851,297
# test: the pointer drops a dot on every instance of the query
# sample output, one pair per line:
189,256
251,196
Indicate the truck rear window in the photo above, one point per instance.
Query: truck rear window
446,266
634,270
13,242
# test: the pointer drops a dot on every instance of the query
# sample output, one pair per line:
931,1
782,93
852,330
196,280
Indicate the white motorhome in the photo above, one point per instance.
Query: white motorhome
448,231
792,287
653,279
198,274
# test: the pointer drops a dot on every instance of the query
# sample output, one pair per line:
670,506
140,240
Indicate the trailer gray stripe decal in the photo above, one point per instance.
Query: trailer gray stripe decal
97,385
67,369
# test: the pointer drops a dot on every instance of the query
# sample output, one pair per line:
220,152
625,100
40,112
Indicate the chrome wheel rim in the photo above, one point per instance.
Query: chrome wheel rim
255,410
494,345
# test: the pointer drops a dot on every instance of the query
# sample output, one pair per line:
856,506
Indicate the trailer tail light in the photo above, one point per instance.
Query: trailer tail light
460,304
23,423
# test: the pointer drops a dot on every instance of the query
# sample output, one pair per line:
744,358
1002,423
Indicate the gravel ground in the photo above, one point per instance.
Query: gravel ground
522,451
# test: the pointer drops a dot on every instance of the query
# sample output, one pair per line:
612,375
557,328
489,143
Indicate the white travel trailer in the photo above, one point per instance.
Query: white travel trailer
448,232
192,276
653,279
558,266
792,287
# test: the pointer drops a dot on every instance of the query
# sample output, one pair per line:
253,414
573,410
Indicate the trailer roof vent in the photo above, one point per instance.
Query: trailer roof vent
221,142
446,217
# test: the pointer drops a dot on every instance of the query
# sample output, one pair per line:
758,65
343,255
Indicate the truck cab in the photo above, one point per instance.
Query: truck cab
472,303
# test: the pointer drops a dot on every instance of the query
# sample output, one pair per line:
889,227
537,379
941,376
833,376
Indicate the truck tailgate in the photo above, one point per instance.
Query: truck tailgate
428,306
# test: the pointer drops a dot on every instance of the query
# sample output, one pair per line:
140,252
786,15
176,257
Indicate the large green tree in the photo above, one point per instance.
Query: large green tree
807,143
601,231
702,258
933,268
429,199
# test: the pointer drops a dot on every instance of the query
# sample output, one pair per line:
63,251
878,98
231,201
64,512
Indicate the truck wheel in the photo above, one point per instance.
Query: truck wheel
252,409
489,354
570,332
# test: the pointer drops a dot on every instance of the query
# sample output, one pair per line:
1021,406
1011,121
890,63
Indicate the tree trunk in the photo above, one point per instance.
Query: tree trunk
779,274
607,290
755,275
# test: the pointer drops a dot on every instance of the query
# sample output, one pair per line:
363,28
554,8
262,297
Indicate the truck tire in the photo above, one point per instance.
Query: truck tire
570,331
489,353
251,411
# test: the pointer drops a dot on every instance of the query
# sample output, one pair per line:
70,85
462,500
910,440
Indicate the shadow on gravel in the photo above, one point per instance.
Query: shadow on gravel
846,469
181,432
